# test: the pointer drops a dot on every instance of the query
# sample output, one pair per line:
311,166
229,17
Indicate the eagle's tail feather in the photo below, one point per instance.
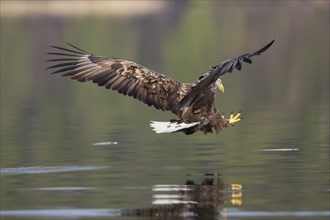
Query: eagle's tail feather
169,127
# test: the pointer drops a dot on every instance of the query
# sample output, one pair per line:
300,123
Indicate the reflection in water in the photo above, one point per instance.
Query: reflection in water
207,200
203,200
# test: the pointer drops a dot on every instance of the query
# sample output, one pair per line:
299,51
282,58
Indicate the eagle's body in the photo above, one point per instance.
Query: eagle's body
192,103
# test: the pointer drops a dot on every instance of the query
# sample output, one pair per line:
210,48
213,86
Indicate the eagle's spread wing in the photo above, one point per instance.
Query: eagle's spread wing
126,77
225,67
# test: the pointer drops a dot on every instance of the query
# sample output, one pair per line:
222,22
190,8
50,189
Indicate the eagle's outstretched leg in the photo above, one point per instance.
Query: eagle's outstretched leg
234,118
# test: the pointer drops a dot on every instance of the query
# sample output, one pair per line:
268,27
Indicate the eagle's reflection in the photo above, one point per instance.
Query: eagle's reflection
204,200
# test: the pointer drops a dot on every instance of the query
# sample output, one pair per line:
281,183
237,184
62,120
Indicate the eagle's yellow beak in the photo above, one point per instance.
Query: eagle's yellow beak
221,88
218,84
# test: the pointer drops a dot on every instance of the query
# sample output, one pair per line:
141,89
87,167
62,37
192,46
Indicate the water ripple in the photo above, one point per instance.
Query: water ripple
249,214
78,213
63,213
73,188
45,169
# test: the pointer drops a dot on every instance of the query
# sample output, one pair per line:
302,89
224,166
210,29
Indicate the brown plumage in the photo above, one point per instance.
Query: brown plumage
191,102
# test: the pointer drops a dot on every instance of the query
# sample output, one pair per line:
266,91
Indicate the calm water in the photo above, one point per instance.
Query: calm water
134,172
75,151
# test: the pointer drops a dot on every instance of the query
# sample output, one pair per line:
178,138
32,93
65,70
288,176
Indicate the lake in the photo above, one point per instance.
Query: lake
75,151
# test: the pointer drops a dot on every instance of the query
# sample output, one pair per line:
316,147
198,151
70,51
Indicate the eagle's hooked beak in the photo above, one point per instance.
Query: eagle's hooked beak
222,88
220,85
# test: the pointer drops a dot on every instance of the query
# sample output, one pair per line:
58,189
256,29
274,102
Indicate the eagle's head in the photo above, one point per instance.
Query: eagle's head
219,86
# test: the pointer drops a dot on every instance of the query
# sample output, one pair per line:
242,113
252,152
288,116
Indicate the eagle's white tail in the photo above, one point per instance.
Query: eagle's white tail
169,127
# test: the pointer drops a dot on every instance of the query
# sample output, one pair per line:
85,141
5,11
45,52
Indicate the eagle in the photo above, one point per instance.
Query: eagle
192,103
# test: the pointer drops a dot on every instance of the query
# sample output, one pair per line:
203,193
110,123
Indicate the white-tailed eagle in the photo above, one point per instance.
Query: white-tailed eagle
192,103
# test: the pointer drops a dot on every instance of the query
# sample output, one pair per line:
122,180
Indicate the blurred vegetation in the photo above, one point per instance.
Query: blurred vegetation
284,95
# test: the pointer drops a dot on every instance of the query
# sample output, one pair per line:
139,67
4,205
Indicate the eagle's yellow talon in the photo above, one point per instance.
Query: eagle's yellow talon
237,116
233,119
